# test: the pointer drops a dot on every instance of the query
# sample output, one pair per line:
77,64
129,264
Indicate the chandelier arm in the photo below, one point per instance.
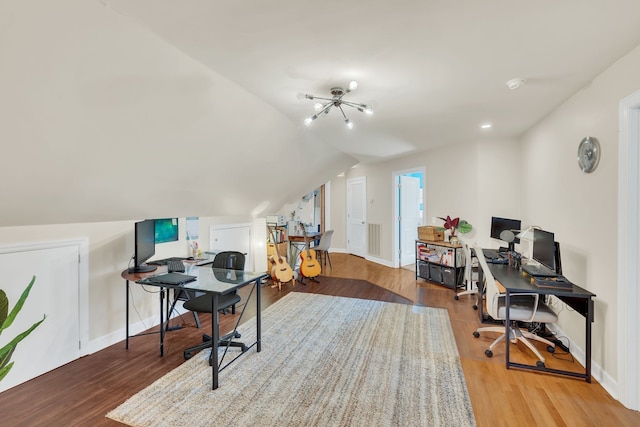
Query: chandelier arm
324,99
342,111
325,108
354,104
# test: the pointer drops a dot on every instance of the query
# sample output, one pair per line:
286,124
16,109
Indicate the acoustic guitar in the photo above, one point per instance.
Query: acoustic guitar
309,265
281,271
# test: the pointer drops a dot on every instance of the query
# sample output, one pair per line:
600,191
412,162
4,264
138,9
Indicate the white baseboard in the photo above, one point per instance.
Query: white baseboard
606,381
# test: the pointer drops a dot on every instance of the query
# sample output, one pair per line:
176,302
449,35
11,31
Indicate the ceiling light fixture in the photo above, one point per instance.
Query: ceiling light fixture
485,126
514,84
336,101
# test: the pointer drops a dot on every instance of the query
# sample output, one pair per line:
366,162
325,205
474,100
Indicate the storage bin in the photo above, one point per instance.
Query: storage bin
423,270
449,277
429,232
435,273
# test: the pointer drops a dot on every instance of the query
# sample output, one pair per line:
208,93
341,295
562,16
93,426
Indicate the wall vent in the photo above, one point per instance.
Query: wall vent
373,234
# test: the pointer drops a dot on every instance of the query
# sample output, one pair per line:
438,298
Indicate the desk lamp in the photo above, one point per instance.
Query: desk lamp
527,235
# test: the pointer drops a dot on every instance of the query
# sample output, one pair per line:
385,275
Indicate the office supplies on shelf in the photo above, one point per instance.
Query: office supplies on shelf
171,279
175,265
539,271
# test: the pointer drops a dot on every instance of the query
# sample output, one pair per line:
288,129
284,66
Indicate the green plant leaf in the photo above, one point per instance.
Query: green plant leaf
5,370
5,358
8,349
464,227
16,309
4,308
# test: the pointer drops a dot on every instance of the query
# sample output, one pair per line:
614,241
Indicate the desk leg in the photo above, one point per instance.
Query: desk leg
258,316
126,346
588,320
215,339
161,322
507,302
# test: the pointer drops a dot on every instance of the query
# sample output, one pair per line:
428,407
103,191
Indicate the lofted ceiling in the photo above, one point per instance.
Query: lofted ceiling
433,70
128,109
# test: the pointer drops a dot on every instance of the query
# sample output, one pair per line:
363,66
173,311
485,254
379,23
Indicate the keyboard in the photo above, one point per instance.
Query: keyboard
539,271
492,254
175,266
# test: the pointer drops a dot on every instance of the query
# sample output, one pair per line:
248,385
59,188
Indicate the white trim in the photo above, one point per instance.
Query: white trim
628,252
395,211
83,279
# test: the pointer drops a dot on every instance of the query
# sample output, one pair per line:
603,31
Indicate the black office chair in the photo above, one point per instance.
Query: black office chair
202,304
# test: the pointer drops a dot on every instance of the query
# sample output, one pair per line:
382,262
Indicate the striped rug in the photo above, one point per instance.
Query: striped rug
325,361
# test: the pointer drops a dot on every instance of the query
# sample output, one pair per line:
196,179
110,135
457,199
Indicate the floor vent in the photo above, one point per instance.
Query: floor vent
373,231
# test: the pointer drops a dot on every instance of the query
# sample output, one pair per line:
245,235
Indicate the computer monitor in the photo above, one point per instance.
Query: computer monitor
544,248
145,246
166,230
498,225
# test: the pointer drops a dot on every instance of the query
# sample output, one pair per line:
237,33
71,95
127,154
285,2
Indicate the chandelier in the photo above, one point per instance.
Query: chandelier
335,101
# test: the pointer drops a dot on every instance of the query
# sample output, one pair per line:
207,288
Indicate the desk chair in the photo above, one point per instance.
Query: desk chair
470,276
202,304
525,307
322,248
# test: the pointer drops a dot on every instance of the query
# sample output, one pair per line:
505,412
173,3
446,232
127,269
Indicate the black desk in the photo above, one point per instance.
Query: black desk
216,281
515,281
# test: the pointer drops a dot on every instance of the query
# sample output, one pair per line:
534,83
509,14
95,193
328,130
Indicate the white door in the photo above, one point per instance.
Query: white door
233,237
409,218
357,216
55,294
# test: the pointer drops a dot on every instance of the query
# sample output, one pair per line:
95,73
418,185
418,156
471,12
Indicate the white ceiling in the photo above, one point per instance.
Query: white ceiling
434,70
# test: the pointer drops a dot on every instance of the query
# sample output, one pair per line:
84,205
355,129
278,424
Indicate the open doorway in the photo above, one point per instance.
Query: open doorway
408,213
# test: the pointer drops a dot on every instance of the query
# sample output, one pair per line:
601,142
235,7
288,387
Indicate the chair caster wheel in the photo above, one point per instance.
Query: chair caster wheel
475,307
237,335
187,356
456,298
243,348
488,353
476,334
540,364
551,349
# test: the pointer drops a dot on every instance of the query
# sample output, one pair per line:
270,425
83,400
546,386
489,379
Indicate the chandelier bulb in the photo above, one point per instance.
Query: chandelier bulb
317,106
349,123
353,85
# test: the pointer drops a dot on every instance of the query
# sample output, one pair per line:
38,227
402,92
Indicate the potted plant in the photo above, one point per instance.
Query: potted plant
455,224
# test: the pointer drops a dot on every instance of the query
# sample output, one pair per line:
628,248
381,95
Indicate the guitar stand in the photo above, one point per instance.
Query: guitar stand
313,279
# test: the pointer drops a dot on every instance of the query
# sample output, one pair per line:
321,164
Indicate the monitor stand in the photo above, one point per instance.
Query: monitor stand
144,268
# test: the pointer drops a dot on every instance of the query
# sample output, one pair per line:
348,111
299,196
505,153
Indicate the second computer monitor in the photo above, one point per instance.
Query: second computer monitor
544,248
498,225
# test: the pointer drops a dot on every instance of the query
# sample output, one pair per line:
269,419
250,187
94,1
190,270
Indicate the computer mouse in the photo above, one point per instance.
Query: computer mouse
190,258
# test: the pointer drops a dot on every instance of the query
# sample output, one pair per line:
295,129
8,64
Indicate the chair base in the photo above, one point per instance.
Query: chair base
225,341
516,334
473,291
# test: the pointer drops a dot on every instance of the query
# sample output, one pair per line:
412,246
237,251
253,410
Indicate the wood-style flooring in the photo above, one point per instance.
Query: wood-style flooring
82,392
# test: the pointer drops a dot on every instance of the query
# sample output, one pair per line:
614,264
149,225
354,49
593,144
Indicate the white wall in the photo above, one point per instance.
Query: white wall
110,249
582,208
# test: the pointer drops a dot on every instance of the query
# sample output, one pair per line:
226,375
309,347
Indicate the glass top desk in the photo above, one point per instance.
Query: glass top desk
215,281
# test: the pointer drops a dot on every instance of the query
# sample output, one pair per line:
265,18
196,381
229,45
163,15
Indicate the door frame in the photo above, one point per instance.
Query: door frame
628,251
395,208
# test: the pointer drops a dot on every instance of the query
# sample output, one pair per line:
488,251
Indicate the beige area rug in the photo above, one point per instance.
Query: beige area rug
325,361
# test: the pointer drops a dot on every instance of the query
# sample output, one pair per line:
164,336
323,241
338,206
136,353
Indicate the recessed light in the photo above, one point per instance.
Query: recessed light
485,126
514,84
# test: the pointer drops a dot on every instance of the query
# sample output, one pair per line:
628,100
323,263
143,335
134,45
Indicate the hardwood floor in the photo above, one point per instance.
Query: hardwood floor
82,392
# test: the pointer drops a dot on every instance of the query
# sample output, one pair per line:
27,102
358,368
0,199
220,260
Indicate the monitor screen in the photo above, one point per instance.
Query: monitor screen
544,248
498,225
166,230
145,246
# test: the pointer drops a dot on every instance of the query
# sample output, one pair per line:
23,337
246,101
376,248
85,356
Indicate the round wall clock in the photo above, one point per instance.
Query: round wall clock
588,154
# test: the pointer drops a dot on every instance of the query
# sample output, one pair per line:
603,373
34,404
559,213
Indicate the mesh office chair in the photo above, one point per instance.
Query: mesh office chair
470,275
322,248
202,304
525,307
